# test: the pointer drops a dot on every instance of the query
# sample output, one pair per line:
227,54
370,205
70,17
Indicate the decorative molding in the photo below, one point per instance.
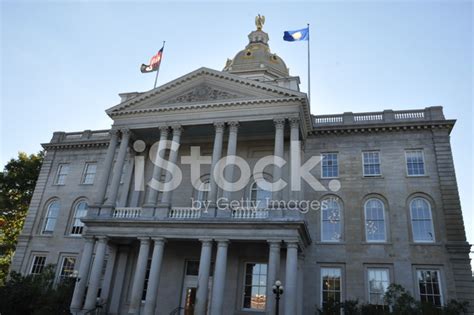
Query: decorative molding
382,127
202,93
279,123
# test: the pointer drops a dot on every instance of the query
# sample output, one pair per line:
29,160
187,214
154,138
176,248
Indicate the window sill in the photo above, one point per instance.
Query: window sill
329,178
425,243
417,176
373,176
376,243
330,243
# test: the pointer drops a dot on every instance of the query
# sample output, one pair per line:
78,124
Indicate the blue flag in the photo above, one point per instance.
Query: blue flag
293,36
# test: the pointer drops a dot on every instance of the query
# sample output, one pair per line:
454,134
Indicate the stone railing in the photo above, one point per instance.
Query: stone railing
127,213
249,213
184,213
61,137
349,118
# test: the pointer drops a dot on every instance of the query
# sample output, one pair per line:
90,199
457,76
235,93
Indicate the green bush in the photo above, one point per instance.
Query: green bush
36,294
398,302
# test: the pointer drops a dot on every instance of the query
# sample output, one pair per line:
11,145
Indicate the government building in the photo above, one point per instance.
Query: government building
377,203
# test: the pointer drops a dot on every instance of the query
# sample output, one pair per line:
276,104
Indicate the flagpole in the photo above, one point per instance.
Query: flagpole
309,67
158,70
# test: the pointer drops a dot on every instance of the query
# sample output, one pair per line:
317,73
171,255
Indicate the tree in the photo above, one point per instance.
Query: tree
17,183
36,294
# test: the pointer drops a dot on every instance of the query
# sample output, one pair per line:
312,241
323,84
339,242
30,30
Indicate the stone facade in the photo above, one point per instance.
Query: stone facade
146,252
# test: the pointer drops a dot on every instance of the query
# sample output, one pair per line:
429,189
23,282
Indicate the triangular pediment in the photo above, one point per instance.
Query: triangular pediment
203,86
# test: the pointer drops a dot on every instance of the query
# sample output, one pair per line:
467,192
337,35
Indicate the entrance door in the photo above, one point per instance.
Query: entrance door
188,300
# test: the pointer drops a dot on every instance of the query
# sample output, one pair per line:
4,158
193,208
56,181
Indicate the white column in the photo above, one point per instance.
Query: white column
139,277
154,278
299,307
295,154
218,287
115,301
278,152
272,276
231,151
114,187
173,158
203,277
109,158
291,276
109,269
94,279
152,193
216,156
81,281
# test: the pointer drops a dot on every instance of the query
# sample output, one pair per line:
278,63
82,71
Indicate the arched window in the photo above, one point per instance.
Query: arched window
259,197
331,215
203,191
421,220
51,217
375,221
80,211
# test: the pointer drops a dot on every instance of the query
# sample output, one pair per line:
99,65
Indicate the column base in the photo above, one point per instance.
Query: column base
148,211
105,210
224,213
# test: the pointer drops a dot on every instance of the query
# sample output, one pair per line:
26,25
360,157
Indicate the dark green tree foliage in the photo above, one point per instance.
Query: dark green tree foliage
36,294
17,183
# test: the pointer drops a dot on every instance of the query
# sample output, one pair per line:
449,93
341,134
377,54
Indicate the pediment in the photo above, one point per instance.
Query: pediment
203,86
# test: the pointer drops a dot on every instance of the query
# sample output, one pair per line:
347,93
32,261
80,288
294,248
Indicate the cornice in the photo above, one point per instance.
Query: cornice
383,127
75,145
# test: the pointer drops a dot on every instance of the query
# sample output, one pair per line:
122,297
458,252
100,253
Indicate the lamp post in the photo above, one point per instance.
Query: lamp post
277,290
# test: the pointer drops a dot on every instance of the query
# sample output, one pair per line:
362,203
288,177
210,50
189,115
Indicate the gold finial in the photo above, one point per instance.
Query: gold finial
259,21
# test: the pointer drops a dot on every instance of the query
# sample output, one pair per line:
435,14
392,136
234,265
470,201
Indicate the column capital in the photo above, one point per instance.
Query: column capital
177,129
294,122
291,243
125,132
206,241
113,132
159,240
222,242
164,129
233,126
102,239
279,123
219,126
274,243
89,238
144,240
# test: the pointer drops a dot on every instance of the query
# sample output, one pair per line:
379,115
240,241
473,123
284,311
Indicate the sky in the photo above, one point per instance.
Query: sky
64,63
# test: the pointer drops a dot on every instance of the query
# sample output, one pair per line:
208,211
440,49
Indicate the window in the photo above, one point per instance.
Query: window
429,285
329,165
421,220
147,278
89,173
203,192
80,211
63,170
378,282
330,285
371,163
259,197
37,265
331,220
374,221
255,290
67,267
415,163
51,217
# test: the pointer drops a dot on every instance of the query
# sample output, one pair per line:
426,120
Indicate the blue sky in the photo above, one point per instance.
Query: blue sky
63,64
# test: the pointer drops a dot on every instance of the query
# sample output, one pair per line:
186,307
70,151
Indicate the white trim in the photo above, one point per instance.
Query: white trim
340,223
423,159
245,263
321,282
440,284
431,219
46,217
363,164
368,280
58,170
84,170
337,161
